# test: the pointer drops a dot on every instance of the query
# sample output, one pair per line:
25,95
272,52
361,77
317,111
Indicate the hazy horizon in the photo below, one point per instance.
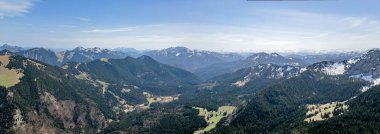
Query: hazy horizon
299,52
224,26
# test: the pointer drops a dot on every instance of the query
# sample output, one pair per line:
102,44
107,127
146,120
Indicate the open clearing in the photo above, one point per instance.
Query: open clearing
213,117
316,111
8,77
158,99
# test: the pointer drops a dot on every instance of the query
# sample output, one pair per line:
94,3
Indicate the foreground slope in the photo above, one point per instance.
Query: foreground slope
88,97
47,99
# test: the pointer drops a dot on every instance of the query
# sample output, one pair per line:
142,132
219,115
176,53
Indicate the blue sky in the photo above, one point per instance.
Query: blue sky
220,25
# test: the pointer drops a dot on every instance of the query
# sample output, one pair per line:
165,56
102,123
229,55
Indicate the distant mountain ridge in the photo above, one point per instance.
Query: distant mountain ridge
314,58
130,51
78,54
81,54
188,59
253,60
11,48
41,54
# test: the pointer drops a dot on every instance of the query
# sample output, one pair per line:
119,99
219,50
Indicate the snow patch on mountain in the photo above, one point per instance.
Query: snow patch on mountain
303,69
89,50
365,88
353,60
369,78
269,71
245,80
334,69
361,76
240,83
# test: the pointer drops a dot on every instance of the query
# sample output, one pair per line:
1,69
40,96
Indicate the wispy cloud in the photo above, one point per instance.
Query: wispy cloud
10,8
83,18
355,21
111,30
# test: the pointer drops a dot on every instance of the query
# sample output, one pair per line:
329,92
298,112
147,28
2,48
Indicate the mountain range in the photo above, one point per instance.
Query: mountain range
179,90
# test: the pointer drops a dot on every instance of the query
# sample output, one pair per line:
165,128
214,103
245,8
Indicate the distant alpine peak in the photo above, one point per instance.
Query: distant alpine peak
79,49
374,50
273,58
94,50
180,51
178,48
371,54
274,54
183,49
6,45
11,48
261,54
39,48
264,55
190,59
